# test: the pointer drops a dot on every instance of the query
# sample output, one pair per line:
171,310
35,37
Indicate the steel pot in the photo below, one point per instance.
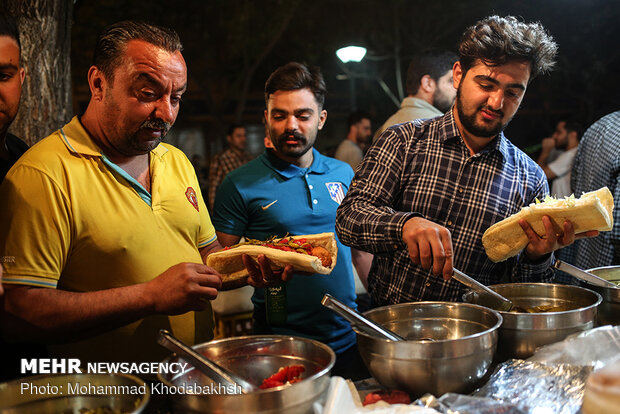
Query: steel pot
521,333
70,393
448,347
255,358
609,310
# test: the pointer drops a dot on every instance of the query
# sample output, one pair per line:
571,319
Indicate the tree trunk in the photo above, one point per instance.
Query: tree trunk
45,34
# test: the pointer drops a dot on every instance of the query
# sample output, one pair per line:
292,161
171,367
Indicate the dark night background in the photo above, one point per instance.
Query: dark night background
231,47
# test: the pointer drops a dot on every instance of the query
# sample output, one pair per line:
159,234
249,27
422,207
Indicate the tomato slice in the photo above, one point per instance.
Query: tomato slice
393,397
289,374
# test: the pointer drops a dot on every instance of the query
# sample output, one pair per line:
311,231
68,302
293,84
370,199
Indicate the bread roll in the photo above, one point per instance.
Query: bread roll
234,274
592,211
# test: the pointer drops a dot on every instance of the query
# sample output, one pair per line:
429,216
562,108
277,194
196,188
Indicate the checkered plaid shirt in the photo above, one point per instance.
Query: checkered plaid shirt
423,168
222,164
597,164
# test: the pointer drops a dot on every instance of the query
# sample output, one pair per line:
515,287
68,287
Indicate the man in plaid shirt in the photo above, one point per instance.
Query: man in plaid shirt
230,159
428,189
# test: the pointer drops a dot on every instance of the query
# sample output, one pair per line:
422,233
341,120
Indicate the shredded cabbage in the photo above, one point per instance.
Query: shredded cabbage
569,201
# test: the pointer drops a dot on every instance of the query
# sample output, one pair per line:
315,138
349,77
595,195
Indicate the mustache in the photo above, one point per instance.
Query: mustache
486,108
294,134
156,124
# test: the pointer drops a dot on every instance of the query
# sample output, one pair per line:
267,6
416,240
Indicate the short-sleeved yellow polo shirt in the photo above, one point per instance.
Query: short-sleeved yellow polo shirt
73,220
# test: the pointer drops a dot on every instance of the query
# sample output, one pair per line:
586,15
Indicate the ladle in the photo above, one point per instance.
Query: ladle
211,369
357,319
502,304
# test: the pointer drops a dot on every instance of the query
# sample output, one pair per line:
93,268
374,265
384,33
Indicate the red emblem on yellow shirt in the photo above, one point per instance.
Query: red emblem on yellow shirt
191,196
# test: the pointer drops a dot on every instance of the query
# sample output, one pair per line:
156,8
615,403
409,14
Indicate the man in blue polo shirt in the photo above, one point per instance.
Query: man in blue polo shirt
294,189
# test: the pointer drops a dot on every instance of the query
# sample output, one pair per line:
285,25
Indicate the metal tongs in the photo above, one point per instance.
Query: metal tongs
358,320
583,275
499,302
214,371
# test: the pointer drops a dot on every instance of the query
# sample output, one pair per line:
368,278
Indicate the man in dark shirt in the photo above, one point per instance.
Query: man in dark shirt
11,80
11,148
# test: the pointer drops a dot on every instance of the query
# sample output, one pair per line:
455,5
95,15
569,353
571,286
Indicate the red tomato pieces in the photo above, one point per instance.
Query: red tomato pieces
289,374
394,397
275,246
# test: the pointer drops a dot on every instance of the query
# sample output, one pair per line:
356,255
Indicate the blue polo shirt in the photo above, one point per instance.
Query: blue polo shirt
269,196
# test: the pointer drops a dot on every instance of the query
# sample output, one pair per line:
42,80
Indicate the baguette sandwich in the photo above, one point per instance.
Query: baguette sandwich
312,253
592,211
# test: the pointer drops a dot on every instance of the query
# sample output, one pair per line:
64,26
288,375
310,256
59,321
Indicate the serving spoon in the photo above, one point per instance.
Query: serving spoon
583,275
211,369
358,320
499,302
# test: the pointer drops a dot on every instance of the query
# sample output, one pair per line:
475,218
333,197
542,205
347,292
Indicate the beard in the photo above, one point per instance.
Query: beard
302,143
362,139
135,144
562,145
146,146
441,101
470,124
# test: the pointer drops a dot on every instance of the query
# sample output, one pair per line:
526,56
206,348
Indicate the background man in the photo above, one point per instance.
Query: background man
597,164
427,190
292,188
11,79
430,92
12,76
360,131
232,157
563,142
124,229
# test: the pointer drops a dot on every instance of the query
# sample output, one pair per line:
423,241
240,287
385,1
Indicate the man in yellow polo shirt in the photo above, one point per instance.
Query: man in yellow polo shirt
103,230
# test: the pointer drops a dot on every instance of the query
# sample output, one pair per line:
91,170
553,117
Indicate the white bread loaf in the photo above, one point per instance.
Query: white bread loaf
592,211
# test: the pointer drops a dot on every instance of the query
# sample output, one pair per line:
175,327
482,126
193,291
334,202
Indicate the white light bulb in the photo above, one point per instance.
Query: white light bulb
351,53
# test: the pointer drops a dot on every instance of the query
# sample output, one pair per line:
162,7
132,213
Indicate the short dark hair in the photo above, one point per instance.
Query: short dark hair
112,42
294,76
573,126
8,27
433,64
498,40
232,128
356,117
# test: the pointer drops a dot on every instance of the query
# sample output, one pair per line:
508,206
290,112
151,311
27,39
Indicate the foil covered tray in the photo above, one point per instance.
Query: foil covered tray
535,387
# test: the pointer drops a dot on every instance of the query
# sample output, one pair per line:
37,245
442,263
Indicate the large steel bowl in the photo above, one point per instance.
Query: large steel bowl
448,347
256,358
522,333
609,310
57,394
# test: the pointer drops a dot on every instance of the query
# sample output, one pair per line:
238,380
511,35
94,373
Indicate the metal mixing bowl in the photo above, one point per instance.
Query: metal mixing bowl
256,358
609,310
522,333
53,394
449,346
